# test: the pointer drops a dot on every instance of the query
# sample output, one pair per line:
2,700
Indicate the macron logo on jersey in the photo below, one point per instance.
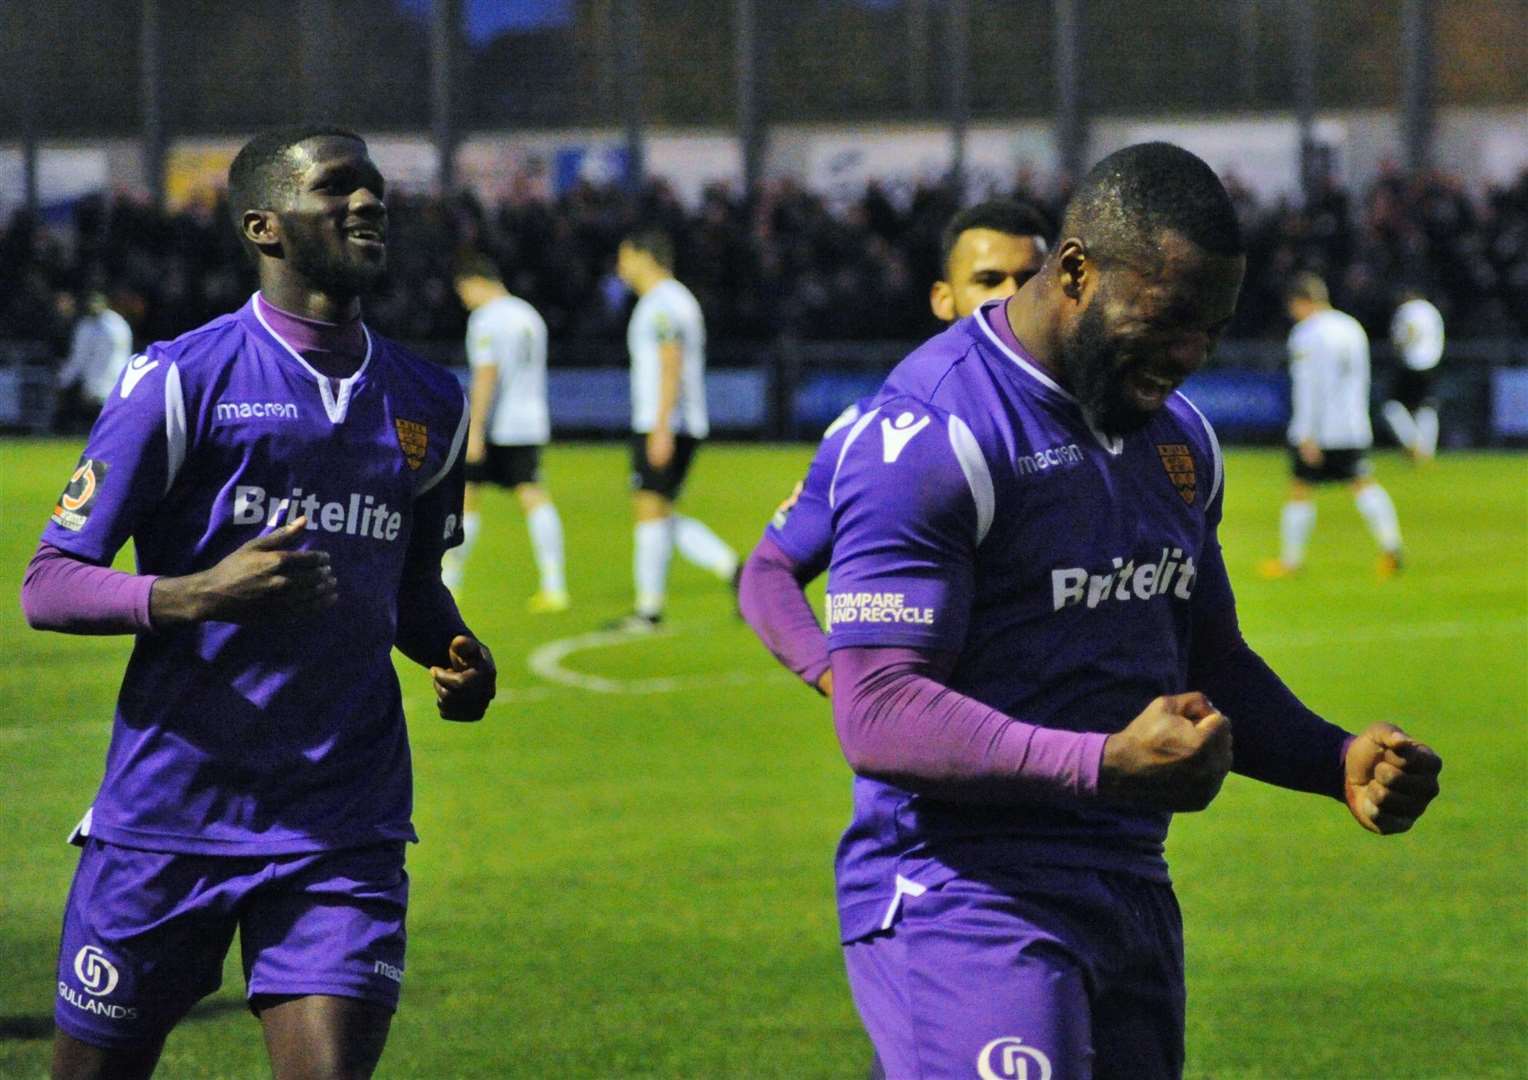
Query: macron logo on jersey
133,374
245,410
1170,574
357,516
1054,457
896,434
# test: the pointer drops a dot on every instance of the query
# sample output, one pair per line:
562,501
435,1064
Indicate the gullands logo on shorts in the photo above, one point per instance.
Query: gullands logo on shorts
1171,573
358,516
875,608
98,976
1009,1059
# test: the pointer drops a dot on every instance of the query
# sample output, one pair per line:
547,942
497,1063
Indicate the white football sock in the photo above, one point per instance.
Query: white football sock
654,545
545,528
1427,431
699,545
455,561
1295,525
1400,421
1378,511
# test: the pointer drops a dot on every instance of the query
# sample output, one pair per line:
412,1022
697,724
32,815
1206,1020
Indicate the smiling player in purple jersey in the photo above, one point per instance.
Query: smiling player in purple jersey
290,482
987,252
1032,641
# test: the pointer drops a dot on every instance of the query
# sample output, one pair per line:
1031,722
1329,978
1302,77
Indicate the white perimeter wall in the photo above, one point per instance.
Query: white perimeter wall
1483,145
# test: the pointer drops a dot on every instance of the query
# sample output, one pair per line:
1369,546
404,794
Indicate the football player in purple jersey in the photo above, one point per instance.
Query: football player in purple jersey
1036,658
987,252
289,481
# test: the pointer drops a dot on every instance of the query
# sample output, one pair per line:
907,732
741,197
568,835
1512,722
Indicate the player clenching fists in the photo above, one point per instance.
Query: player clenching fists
1389,779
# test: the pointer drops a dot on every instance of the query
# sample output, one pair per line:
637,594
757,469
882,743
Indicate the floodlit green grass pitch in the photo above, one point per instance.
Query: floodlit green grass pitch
631,876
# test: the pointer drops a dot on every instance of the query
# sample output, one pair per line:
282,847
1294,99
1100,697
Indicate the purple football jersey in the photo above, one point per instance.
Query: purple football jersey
976,512
280,736
803,528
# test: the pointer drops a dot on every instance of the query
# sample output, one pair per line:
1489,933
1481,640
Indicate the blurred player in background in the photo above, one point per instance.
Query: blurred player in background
667,341
988,251
1416,332
1032,638
98,352
506,348
289,481
1329,430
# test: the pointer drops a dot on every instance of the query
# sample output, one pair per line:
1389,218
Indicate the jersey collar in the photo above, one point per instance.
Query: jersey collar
1032,372
335,393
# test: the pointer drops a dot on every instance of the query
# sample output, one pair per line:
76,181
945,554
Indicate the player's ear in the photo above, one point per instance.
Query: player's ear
1074,267
941,300
261,227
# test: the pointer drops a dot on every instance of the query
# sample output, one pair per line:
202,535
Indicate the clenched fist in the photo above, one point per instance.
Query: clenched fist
1173,756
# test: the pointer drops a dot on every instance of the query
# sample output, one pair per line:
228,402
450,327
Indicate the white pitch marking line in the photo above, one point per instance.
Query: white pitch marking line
1390,632
546,662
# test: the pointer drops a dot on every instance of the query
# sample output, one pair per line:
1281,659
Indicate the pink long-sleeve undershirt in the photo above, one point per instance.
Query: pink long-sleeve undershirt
771,601
64,593
897,722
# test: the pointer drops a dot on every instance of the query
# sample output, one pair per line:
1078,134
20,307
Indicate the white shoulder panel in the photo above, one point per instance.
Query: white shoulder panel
974,464
174,425
859,426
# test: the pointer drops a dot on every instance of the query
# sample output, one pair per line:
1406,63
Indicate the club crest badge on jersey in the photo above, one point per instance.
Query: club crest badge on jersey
413,440
1179,463
79,496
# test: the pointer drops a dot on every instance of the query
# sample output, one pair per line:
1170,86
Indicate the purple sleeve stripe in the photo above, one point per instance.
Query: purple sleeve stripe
63,592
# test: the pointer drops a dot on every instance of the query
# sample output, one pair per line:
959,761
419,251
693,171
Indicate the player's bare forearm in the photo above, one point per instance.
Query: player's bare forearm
484,381
670,359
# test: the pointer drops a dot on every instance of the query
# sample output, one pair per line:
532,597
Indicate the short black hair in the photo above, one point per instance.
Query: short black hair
1131,197
261,176
1008,216
1307,286
476,265
656,243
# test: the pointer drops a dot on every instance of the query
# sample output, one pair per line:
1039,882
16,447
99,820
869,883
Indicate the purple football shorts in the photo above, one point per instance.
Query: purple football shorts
146,932
1044,974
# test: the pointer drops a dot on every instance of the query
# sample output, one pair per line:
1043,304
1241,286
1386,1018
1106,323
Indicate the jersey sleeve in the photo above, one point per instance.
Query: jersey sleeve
131,458
667,327
481,350
910,498
802,527
438,502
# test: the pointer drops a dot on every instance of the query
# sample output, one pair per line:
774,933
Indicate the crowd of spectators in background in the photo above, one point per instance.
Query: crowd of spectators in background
780,262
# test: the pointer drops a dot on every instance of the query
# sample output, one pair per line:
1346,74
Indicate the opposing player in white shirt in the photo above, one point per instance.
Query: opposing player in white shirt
1329,431
100,348
506,347
1416,331
667,342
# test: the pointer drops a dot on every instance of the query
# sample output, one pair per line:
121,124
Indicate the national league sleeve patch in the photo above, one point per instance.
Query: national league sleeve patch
79,497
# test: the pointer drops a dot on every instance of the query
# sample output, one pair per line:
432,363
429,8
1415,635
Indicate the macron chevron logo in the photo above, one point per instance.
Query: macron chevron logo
135,372
896,434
